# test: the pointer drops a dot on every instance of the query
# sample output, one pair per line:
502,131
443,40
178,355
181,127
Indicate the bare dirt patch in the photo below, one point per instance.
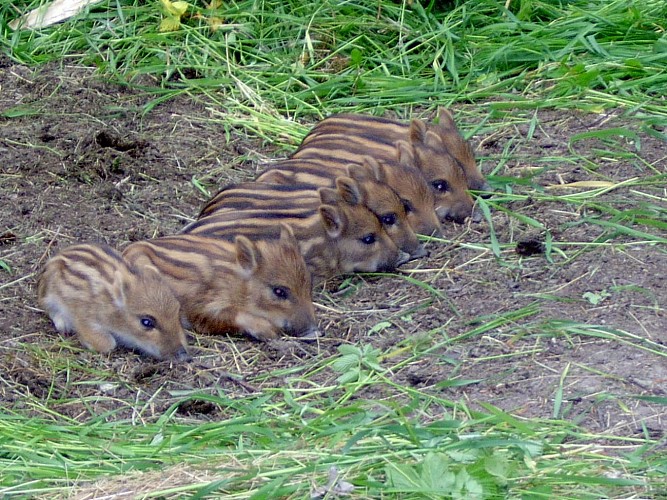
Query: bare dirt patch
80,162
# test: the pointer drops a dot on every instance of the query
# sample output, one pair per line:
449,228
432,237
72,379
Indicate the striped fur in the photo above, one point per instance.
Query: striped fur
259,288
429,148
255,196
388,131
363,184
90,290
408,184
338,236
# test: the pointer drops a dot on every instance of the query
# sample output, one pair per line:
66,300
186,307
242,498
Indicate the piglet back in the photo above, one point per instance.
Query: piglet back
78,275
91,291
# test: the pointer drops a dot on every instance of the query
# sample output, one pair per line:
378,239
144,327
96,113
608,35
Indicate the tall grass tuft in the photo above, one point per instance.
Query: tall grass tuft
313,58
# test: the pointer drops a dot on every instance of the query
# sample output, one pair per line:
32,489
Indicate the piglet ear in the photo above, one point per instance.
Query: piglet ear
379,171
358,172
406,154
349,190
433,140
246,254
445,119
417,131
332,220
118,291
369,169
328,196
287,234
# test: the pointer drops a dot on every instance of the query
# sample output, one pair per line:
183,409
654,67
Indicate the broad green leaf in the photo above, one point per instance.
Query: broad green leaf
436,475
345,363
349,376
467,487
498,467
402,477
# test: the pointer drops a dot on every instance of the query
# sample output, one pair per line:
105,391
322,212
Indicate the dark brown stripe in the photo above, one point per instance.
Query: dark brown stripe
103,259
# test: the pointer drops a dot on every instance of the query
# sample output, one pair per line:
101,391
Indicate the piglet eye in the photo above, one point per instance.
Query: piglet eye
388,219
148,322
369,239
281,292
440,185
407,205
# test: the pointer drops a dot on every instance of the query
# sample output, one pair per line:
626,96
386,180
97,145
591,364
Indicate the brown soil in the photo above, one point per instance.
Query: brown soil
80,162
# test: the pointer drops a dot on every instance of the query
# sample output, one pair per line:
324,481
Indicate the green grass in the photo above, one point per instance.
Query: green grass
411,444
298,58
270,69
